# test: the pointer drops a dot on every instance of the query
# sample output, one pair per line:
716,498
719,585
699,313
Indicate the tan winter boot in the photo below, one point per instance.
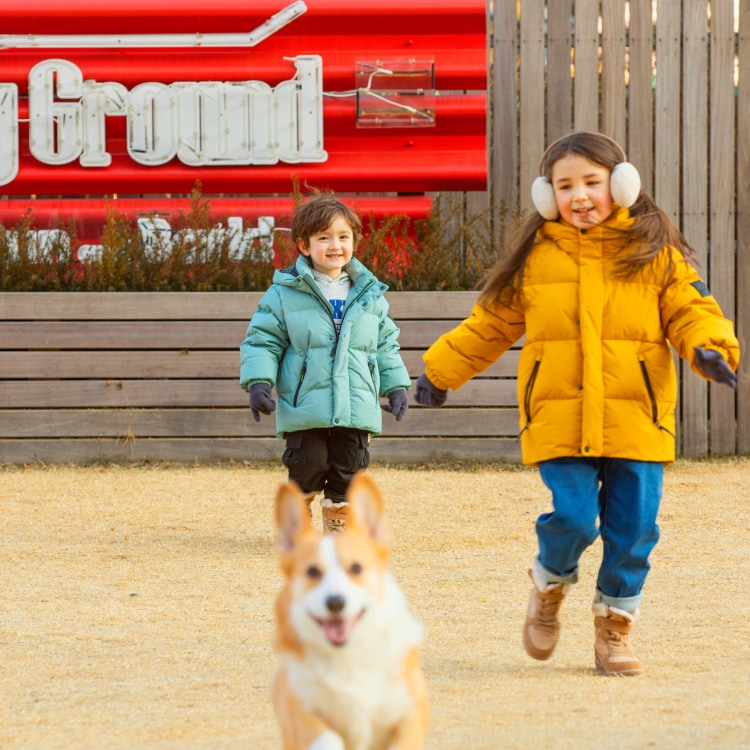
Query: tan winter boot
612,652
542,624
334,516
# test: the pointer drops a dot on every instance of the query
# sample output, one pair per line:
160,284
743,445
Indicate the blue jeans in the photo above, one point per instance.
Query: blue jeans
623,496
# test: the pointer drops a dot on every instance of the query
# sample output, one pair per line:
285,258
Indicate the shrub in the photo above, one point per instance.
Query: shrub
449,250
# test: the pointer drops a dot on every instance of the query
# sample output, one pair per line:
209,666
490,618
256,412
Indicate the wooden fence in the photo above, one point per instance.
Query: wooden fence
146,376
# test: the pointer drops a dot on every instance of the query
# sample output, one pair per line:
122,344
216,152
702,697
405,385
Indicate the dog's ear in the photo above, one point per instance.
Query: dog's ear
367,506
292,515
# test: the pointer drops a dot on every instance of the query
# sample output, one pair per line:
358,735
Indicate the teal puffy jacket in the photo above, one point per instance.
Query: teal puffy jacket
323,380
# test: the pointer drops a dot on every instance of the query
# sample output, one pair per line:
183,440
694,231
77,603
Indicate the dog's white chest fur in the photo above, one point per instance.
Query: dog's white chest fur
359,688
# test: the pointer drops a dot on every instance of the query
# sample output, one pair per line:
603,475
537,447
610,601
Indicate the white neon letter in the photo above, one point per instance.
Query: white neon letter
55,128
8,132
299,112
99,99
152,134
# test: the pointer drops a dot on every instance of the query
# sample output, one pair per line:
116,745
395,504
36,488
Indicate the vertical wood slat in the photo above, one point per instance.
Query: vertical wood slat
504,110
694,391
532,90
667,122
586,84
743,231
722,248
640,145
613,70
559,81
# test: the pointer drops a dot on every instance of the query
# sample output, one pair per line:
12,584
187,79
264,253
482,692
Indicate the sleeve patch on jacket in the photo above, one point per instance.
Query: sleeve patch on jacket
701,288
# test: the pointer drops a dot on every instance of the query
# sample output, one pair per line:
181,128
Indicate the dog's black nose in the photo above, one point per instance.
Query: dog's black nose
335,602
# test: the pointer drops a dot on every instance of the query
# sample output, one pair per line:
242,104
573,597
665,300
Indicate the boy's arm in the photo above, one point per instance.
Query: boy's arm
393,373
265,342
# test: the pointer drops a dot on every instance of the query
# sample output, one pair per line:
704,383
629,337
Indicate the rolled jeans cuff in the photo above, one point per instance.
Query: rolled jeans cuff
543,577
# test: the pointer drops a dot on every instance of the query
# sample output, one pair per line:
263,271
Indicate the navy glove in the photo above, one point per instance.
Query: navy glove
398,404
712,365
427,394
261,401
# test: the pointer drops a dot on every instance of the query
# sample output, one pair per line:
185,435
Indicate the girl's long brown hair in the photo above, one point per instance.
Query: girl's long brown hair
651,231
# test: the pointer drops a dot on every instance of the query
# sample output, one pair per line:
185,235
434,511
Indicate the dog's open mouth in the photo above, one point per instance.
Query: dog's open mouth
339,629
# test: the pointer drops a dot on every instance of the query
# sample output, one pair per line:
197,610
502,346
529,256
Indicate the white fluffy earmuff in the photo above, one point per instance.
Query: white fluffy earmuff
543,196
624,186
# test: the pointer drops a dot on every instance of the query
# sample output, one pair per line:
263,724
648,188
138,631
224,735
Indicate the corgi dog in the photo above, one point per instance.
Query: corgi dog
349,674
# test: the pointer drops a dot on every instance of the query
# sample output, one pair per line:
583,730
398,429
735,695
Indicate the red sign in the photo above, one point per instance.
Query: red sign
146,97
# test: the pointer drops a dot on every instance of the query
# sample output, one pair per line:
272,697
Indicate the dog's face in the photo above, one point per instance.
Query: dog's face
334,583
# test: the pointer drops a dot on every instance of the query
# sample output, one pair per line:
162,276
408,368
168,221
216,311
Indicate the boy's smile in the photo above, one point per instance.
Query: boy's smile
331,249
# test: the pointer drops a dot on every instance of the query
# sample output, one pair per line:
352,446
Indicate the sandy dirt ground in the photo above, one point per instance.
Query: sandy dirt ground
136,610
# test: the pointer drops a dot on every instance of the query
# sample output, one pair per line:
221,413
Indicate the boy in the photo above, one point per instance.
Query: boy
322,336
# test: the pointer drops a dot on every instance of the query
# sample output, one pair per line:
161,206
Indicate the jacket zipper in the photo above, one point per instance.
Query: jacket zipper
527,396
301,380
652,398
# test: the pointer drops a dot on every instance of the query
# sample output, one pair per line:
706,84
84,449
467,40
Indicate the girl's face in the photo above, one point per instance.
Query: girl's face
331,249
581,191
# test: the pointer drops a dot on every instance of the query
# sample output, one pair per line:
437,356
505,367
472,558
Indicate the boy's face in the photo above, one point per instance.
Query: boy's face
331,249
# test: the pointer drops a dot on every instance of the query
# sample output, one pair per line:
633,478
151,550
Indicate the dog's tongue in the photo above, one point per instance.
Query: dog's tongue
338,631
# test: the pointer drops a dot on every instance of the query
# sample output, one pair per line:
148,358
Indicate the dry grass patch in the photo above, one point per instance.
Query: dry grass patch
137,610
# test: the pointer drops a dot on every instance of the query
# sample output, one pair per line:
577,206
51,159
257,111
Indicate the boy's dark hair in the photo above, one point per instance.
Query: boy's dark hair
317,214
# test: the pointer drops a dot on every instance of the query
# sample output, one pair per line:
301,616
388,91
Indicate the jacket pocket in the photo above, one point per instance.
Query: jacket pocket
652,399
527,395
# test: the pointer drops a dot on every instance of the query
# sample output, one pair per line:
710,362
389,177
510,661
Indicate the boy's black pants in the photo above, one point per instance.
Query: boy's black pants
326,459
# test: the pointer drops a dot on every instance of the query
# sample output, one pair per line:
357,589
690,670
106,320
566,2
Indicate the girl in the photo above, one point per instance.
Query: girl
600,282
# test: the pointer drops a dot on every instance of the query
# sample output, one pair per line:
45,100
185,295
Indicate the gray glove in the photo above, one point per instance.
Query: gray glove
398,404
712,365
261,401
427,394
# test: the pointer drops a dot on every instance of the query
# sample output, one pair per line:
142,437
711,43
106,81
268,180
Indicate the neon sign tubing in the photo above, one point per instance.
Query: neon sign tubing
257,35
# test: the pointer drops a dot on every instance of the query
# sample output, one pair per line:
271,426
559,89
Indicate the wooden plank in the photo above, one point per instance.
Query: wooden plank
694,391
15,365
613,70
116,364
391,450
180,306
123,393
722,247
157,449
128,305
136,424
532,88
640,146
174,335
120,335
586,82
743,232
559,80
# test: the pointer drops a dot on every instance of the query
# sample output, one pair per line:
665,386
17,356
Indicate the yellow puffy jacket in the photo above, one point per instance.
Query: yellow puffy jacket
596,374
